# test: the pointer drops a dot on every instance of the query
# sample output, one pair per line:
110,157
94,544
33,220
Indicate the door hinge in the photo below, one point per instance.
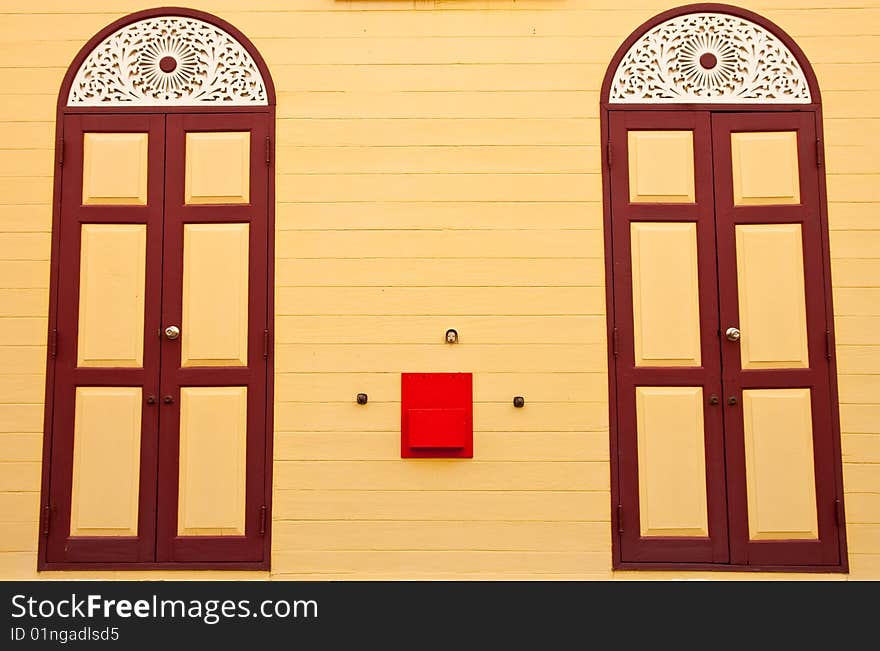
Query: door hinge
615,342
53,342
620,519
608,154
263,520
265,344
838,512
828,344
818,153
61,151
268,151
47,515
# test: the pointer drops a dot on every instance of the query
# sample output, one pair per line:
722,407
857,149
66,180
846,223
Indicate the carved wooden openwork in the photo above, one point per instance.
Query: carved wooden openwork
709,58
168,60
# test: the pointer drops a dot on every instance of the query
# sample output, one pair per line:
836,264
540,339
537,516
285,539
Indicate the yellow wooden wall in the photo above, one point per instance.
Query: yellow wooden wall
437,166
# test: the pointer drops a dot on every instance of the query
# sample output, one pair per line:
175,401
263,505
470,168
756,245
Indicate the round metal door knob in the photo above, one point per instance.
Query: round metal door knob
713,399
519,402
362,398
167,400
733,334
172,332
731,400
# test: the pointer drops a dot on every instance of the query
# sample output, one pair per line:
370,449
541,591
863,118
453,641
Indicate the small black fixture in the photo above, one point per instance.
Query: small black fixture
362,398
518,402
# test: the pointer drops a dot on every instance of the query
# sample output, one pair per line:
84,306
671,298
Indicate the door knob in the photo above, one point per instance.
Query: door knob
713,399
172,332
733,334
167,400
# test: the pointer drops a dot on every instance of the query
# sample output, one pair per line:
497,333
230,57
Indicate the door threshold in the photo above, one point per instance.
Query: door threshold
261,566
840,568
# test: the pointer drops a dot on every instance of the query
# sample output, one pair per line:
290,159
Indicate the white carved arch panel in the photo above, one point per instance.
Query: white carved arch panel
168,60
709,58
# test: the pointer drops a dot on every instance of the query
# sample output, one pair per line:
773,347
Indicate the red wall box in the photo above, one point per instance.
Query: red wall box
436,416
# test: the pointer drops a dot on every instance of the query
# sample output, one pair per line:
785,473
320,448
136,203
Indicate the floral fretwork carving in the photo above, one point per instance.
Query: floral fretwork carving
709,58
168,60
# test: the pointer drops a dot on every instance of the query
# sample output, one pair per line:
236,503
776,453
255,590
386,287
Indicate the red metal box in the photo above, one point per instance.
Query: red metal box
436,415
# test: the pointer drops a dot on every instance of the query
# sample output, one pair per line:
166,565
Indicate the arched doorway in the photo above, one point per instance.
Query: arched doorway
158,402
724,428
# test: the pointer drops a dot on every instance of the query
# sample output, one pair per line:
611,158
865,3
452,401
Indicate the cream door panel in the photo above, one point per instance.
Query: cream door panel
115,168
215,295
770,284
666,301
106,461
111,295
765,168
217,167
661,166
780,477
212,472
672,461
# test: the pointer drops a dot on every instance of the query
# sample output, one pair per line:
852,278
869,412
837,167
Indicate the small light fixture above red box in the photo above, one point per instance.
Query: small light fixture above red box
436,415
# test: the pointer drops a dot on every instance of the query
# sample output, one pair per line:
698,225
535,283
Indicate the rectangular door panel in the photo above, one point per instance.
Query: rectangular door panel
772,305
672,462
115,168
666,301
215,295
661,166
111,305
106,461
213,447
104,416
780,481
765,168
217,167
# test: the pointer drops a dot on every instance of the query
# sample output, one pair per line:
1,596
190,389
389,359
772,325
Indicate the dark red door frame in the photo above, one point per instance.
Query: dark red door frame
52,515
630,552
814,110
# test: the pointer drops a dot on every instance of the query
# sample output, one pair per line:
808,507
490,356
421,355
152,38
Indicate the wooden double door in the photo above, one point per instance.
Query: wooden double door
159,347
725,420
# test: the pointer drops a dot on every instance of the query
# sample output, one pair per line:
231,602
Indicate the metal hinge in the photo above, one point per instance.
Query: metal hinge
53,343
61,151
838,512
620,519
608,153
818,153
268,151
47,515
263,520
615,342
265,344
828,344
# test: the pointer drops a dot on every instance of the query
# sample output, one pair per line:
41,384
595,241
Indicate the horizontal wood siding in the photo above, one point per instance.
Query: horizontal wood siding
438,165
